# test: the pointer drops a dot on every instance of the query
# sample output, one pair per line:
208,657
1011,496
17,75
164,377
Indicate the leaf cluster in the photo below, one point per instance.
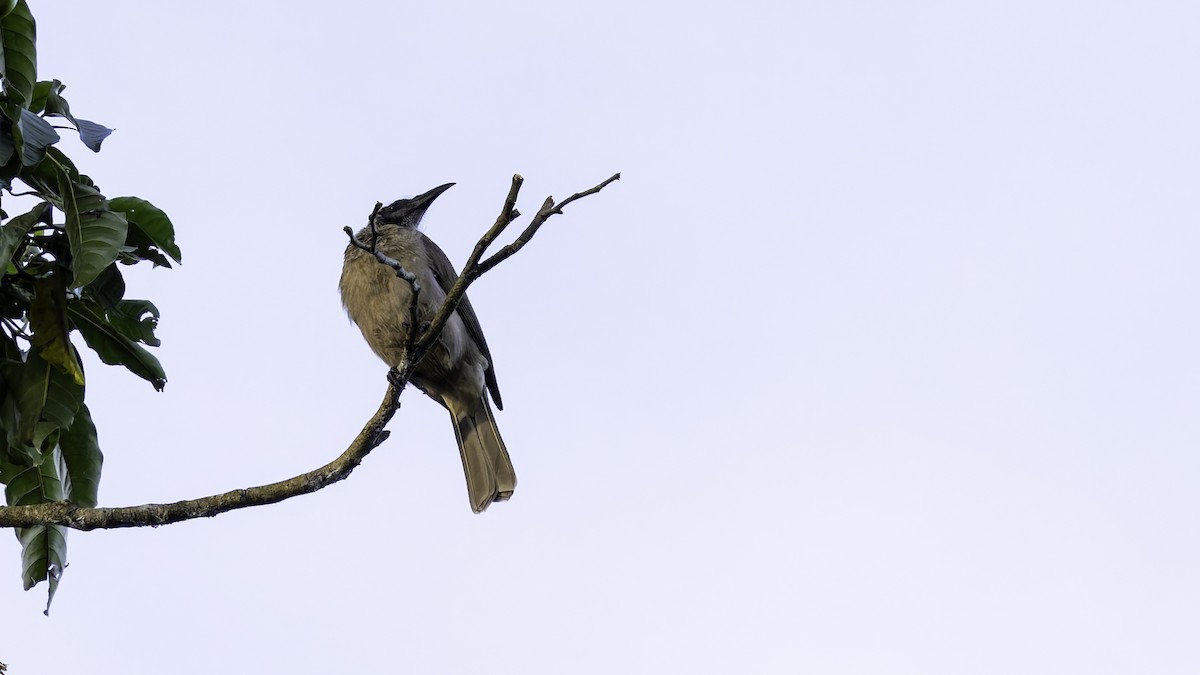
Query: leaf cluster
62,260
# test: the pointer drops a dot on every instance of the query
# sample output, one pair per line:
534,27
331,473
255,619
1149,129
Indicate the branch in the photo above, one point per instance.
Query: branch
372,435
65,513
473,269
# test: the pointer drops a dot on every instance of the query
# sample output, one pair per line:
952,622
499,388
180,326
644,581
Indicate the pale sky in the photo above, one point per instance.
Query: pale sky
882,357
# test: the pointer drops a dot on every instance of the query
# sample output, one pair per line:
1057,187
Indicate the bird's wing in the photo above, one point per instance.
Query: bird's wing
443,271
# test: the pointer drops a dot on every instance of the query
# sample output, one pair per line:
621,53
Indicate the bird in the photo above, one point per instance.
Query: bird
457,371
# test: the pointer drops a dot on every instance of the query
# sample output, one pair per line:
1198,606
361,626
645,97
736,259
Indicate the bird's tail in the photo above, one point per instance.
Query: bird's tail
490,475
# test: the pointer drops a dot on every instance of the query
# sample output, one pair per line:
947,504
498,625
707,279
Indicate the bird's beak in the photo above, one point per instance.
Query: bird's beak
423,201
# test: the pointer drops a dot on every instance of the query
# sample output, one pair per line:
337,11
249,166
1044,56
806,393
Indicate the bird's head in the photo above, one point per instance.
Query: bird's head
408,212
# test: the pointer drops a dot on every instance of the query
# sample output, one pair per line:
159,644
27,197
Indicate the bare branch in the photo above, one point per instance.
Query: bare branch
508,213
473,269
548,209
69,515
589,191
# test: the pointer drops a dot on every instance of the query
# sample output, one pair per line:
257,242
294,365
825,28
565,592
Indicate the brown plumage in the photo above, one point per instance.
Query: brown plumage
458,369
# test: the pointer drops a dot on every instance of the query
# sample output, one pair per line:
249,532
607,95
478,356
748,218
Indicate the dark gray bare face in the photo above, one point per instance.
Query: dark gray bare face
408,212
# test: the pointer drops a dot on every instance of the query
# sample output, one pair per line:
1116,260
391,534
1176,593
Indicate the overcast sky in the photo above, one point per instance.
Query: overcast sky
882,357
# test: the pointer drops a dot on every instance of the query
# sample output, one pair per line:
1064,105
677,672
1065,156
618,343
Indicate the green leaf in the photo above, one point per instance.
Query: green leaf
81,460
92,134
108,288
16,228
48,321
11,114
43,557
18,33
44,393
16,451
138,247
112,346
37,135
62,162
63,397
26,485
43,547
54,104
96,233
42,92
10,374
150,221
32,381
136,320
46,177
7,142
132,255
